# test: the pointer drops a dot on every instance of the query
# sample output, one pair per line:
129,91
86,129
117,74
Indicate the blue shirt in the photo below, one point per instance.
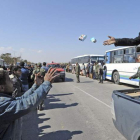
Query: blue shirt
24,76
45,68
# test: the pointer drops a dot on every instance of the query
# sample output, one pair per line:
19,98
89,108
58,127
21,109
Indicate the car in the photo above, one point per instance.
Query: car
59,69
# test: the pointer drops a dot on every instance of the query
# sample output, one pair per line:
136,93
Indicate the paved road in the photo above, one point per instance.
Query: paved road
79,111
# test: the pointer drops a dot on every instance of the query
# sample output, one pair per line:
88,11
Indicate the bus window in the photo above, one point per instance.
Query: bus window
118,59
101,59
94,59
129,58
129,51
120,52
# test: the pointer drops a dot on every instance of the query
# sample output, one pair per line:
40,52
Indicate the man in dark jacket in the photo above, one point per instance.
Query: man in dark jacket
16,73
12,109
24,77
123,41
77,72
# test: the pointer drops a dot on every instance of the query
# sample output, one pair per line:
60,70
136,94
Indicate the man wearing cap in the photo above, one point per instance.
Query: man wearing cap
24,77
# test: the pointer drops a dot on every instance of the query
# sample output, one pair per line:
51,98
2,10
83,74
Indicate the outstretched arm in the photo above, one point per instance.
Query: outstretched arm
122,41
12,109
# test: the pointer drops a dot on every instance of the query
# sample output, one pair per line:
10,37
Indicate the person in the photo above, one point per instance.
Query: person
100,73
137,75
9,69
67,68
42,74
30,81
97,70
94,74
45,67
37,70
12,109
70,68
104,71
24,77
91,71
77,72
73,69
35,66
17,84
122,41
87,70
83,69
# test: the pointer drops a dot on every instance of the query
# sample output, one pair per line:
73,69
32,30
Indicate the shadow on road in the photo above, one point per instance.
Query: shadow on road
87,82
60,135
59,94
68,80
52,98
43,119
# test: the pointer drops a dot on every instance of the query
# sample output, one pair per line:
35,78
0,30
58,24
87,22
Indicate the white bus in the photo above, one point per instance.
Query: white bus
122,63
87,59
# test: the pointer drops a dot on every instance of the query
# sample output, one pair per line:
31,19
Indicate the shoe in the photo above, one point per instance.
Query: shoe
99,82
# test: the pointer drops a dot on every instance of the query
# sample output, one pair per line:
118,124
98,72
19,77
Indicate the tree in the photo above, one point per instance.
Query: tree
7,58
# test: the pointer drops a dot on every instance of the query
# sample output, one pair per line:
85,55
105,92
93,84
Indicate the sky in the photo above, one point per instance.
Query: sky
48,30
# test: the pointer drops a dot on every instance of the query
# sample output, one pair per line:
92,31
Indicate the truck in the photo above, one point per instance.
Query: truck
60,70
126,112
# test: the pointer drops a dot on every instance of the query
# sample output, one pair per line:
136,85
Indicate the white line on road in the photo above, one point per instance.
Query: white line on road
93,97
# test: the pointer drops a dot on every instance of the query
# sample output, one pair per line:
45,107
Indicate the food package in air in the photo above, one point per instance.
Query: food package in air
82,37
93,40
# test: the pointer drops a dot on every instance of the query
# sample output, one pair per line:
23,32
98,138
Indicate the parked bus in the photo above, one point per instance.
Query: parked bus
122,63
87,59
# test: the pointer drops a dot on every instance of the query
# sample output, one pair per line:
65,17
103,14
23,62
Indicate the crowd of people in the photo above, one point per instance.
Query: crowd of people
22,89
92,70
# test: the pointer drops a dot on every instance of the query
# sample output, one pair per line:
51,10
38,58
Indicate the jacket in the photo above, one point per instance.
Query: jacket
17,86
77,71
12,109
128,41
24,76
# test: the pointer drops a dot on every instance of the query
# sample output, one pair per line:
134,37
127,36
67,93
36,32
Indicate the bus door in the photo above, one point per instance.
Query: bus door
108,54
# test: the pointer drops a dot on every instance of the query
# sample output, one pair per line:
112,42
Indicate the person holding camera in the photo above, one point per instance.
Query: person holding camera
12,109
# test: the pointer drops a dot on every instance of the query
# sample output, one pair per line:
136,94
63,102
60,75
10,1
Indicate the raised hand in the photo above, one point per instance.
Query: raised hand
110,41
50,75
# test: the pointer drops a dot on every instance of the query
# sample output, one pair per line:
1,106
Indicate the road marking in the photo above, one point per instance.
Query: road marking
93,97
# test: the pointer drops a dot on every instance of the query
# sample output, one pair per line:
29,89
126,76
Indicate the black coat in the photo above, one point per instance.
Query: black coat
128,41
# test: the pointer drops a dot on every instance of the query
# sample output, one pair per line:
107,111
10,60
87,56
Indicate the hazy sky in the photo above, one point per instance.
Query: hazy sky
48,30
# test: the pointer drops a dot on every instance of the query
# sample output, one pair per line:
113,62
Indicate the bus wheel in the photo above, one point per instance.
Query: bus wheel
116,77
